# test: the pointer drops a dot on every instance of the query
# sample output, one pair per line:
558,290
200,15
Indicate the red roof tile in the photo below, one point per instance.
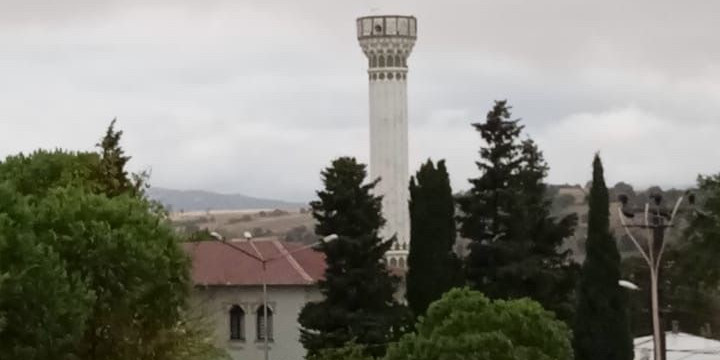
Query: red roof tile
217,263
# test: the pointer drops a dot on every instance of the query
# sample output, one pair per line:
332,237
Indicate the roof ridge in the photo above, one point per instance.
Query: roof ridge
286,254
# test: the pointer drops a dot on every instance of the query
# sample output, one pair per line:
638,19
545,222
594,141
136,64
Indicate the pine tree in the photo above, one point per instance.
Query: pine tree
114,178
602,331
433,267
358,290
515,250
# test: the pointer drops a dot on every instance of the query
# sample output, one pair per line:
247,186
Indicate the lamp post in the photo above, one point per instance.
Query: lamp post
263,260
656,220
628,285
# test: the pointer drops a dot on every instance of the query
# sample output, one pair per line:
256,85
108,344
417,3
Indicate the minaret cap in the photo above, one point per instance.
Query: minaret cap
386,26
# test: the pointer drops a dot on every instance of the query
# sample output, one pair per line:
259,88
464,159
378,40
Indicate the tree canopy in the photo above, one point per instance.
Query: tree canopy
464,324
88,273
358,290
516,248
433,267
601,330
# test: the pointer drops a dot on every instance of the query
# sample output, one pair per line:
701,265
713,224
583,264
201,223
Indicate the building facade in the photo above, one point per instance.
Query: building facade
387,41
228,294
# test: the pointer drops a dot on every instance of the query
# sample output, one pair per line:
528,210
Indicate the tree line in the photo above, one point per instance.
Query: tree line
516,261
90,268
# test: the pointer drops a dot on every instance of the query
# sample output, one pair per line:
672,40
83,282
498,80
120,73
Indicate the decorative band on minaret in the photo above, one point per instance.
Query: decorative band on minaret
387,41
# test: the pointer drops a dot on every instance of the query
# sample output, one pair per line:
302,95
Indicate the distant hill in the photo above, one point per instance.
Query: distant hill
199,200
230,215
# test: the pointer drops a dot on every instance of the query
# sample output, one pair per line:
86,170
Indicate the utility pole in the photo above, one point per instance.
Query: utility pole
656,219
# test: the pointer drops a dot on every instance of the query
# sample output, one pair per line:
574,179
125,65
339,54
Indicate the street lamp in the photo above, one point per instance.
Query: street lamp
656,219
263,260
628,285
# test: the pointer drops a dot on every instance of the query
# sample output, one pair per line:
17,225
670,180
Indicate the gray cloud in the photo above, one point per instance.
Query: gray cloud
257,96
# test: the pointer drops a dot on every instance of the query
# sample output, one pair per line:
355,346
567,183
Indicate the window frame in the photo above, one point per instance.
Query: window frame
236,316
259,329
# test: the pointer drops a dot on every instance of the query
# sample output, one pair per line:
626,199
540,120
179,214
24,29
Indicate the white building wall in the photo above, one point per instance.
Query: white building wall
285,301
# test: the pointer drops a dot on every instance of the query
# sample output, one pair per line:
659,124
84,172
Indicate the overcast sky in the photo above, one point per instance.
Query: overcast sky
256,97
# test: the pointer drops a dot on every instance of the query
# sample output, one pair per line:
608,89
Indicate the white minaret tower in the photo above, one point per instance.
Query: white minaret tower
387,41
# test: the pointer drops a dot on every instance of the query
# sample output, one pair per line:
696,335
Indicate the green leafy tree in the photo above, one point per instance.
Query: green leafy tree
516,245
87,273
128,259
464,324
43,308
601,329
433,267
36,173
358,290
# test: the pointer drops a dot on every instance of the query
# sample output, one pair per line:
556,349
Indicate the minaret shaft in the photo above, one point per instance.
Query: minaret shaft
387,42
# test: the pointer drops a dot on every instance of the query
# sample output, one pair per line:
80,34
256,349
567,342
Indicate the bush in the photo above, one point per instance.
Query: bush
464,324
350,351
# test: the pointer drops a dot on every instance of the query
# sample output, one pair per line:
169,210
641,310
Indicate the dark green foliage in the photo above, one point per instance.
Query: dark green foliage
127,258
89,274
358,290
106,269
350,351
198,235
465,324
692,302
690,277
701,251
346,206
43,308
516,245
113,175
433,267
102,172
601,329
42,170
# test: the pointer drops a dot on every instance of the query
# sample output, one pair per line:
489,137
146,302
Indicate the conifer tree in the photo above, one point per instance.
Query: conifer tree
358,290
114,177
601,330
515,250
433,267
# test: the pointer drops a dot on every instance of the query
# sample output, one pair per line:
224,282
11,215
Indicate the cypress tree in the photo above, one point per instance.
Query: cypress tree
433,267
358,290
601,329
515,250
113,177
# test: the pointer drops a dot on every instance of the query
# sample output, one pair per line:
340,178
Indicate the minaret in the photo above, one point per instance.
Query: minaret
387,41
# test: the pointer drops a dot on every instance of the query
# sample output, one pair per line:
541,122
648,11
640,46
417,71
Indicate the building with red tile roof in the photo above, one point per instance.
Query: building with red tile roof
228,281
228,277
218,263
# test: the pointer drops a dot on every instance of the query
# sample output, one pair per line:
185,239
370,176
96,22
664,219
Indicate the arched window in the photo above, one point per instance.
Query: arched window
393,262
261,325
381,61
373,61
404,62
390,61
401,263
397,61
237,323
404,246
